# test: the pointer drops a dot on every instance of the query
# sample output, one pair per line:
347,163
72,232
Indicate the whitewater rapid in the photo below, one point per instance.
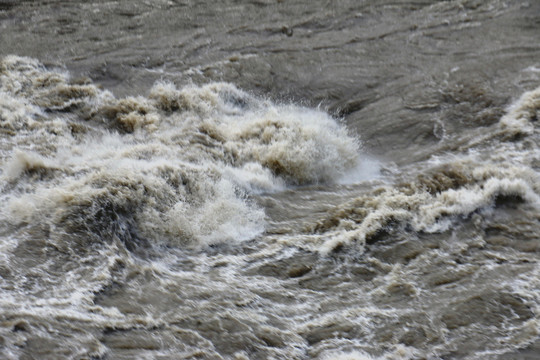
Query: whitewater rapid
176,166
203,221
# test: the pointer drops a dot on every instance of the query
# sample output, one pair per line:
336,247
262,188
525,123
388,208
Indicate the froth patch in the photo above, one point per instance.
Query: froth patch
225,217
169,98
178,165
522,115
130,114
400,352
455,190
25,162
136,202
15,113
457,187
299,145
27,79
352,355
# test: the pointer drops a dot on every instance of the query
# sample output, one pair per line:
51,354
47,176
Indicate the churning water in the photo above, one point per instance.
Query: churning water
270,180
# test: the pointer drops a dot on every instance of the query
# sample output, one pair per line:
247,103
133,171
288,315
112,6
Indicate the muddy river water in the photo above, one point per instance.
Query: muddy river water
270,179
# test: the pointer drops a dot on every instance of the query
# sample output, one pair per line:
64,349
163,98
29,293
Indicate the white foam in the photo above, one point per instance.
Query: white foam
428,212
179,165
399,352
520,114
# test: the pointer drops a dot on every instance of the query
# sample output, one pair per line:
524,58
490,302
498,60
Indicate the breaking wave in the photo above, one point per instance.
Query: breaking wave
448,187
178,165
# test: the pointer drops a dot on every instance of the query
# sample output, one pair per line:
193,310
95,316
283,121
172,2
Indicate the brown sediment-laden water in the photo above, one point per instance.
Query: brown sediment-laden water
265,179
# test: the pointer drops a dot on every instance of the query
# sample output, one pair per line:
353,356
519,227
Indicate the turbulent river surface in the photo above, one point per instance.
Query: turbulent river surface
266,179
